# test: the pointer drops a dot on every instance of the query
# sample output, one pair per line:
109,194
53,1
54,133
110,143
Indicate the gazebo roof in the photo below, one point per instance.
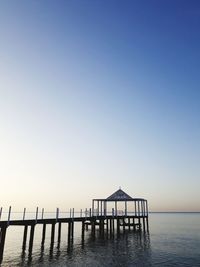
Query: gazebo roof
119,195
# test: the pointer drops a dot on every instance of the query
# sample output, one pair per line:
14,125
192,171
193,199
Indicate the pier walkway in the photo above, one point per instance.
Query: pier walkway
98,217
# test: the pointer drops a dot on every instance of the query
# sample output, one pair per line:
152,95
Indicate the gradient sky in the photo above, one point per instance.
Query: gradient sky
99,94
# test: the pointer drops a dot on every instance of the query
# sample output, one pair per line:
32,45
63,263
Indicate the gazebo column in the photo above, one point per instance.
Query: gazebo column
105,208
139,214
97,207
146,208
115,208
143,214
125,208
92,207
147,219
138,202
135,207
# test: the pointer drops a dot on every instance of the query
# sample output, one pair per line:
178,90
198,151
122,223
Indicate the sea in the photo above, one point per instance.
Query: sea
173,240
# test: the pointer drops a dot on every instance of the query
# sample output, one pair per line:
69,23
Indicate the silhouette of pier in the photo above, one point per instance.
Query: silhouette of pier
102,216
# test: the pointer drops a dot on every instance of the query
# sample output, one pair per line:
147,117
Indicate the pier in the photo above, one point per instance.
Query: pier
104,216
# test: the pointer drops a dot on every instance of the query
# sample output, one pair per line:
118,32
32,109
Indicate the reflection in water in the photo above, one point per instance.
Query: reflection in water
117,250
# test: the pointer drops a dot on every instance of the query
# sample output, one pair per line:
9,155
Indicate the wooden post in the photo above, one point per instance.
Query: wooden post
83,230
135,208
69,231
138,208
31,238
81,212
2,241
134,224
101,225
98,208
93,207
57,214
147,221
24,237
59,231
111,227
93,227
107,226
139,215
24,213
43,234
147,216
42,213
104,209
72,230
143,215
9,214
1,212
147,208
52,234
124,225
118,227
36,215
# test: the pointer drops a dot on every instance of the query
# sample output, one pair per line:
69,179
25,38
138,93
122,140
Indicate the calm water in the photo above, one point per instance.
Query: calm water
174,240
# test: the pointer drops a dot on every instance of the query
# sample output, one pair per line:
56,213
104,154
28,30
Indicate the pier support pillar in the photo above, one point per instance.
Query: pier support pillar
101,227
147,221
107,226
72,230
69,232
24,237
139,221
31,238
2,241
93,224
59,233
52,235
83,230
124,222
134,228
118,226
111,227
144,227
43,234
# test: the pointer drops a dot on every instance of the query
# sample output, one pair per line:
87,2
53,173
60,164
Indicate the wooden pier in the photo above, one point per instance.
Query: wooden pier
99,217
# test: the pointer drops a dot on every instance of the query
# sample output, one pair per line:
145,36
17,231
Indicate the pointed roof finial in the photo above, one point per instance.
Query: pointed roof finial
119,187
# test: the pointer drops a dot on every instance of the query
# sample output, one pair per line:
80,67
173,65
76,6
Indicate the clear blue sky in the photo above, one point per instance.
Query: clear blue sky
100,94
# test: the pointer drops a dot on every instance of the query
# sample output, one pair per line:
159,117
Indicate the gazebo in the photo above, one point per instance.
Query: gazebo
136,207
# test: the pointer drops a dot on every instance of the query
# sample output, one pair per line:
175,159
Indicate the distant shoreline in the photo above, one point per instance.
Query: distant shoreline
174,212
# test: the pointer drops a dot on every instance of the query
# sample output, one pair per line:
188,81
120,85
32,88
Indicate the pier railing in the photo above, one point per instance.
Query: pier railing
41,213
8,215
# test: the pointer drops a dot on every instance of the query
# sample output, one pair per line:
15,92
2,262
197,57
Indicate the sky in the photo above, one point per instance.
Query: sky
99,94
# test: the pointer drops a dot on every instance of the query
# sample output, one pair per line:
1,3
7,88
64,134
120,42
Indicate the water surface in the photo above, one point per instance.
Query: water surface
173,240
